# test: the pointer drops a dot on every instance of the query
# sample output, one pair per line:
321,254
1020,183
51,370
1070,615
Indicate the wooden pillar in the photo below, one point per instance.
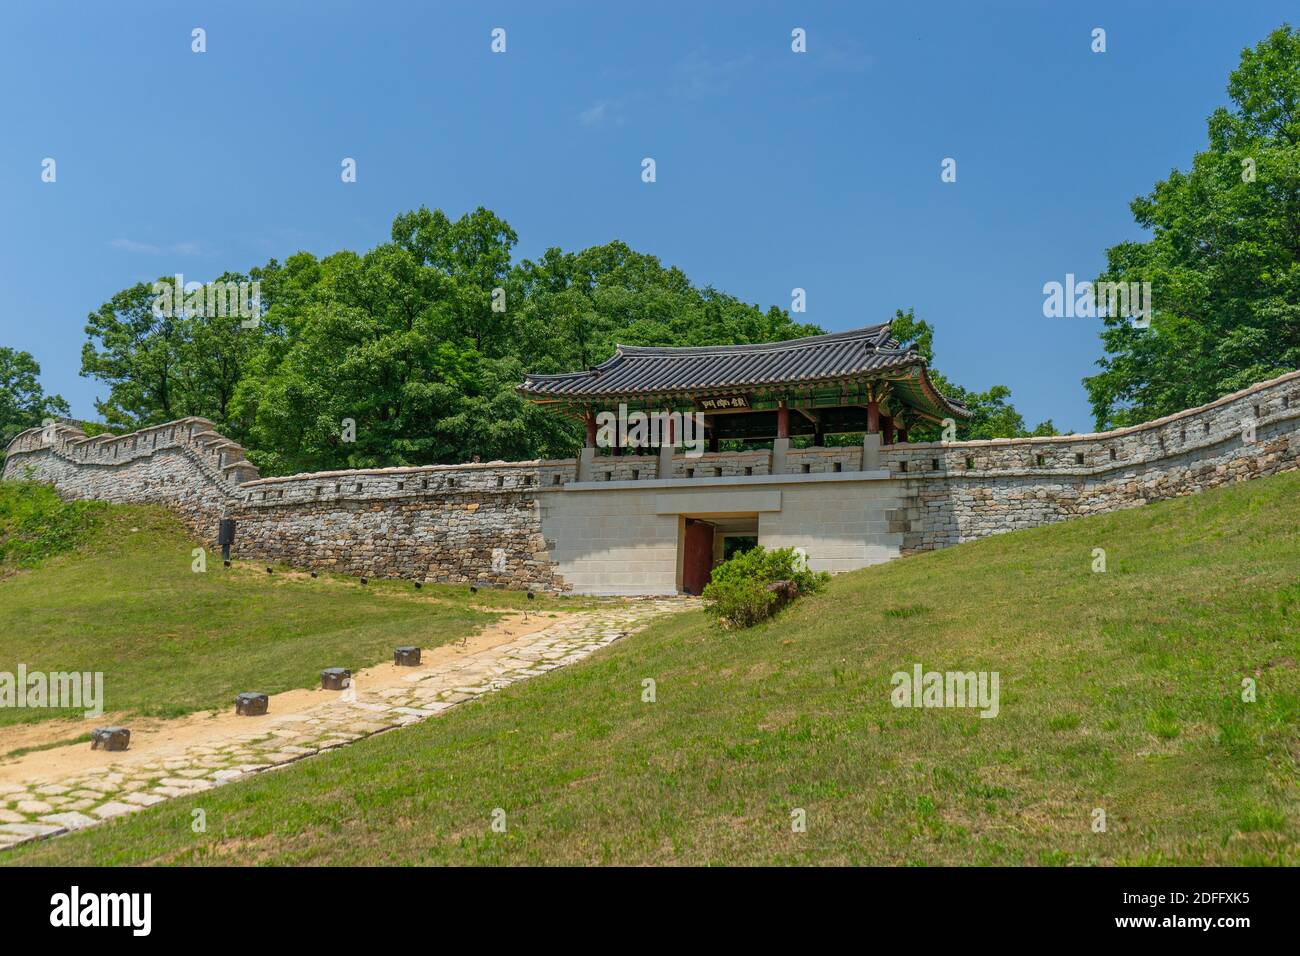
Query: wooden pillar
873,417
591,430
887,429
902,432
713,441
782,421
819,435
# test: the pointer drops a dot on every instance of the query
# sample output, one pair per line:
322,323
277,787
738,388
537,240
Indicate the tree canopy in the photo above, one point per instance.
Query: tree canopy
992,414
410,353
23,403
1223,259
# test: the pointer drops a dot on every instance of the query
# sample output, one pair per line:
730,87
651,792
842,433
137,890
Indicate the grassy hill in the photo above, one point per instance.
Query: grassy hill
1119,690
90,587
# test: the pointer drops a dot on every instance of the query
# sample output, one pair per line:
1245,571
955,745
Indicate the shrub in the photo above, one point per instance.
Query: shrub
36,524
738,594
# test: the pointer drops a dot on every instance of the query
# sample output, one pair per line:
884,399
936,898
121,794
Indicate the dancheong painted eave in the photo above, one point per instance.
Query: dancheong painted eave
859,357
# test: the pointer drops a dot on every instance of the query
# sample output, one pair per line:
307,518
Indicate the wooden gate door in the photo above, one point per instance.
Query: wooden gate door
697,557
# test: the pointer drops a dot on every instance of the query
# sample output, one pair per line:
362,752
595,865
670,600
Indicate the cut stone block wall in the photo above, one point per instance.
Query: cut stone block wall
462,523
476,523
723,464
818,461
183,465
534,525
964,490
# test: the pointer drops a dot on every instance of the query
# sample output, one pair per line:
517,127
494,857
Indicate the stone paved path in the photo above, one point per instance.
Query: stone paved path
56,803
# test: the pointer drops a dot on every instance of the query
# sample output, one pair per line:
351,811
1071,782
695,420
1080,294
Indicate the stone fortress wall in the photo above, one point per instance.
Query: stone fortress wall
962,491
529,524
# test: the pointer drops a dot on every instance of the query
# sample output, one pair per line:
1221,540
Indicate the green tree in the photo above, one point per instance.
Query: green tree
1223,259
23,403
993,415
165,364
378,363
420,343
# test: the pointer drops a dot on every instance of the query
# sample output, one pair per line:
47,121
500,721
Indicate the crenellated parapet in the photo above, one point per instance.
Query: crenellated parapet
221,459
609,523
1202,431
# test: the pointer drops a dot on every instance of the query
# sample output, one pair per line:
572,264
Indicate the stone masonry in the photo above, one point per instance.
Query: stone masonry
488,523
128,781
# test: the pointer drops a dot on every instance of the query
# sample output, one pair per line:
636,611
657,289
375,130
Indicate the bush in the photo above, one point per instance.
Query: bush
36,524
739,594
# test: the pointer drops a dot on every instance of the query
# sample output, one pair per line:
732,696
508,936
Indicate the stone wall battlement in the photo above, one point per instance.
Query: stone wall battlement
1203,430
413,483
223,460
518,524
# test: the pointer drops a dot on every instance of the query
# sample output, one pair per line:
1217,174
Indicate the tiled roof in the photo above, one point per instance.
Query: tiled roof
639,370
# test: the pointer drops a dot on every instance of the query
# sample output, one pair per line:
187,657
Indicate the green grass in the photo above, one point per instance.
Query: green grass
35,524
123,599
49,745
1119,691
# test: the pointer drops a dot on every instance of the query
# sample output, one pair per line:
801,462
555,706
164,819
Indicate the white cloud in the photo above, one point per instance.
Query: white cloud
148,248
130,245
602,112
698,75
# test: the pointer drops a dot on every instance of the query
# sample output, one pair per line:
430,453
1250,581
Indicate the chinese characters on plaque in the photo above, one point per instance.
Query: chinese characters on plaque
721,403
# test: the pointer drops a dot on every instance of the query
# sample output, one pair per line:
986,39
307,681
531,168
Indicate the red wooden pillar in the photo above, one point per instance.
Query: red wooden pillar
782,420
591,430
902,432
873,417
887,429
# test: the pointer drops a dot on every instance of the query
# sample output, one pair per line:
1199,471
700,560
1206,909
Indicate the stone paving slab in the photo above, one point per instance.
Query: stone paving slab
88,797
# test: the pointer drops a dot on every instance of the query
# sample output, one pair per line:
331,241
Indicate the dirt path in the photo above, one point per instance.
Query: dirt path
49,791
151,735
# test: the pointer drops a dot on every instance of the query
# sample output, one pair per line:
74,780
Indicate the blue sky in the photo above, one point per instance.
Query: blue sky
775,170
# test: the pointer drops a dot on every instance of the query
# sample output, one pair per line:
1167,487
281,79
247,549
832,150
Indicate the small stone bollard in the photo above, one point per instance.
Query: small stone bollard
334,678
406,656
110,738
250,704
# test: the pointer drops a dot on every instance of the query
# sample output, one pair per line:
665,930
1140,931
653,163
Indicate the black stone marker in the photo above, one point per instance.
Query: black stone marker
110,738
334,678
418,585
313,574
250,704
363,580
406,656
226,537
